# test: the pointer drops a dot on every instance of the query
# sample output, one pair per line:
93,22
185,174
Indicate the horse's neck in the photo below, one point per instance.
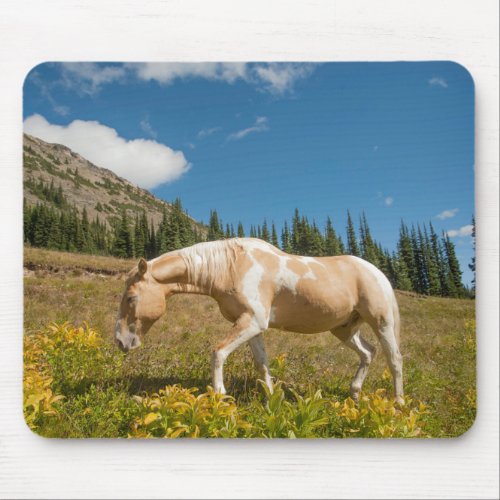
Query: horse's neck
171,272
177,288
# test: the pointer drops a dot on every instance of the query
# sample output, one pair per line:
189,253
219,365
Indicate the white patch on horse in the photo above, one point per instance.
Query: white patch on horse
309,260
272,314
381,279
250,286
285,277
310,275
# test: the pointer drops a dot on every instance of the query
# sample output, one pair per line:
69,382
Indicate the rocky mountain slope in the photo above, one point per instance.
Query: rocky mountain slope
84,184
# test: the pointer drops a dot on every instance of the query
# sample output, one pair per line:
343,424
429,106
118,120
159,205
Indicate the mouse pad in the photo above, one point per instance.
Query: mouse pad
249,250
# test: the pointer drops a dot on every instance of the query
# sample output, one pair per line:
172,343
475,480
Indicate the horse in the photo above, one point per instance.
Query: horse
258,286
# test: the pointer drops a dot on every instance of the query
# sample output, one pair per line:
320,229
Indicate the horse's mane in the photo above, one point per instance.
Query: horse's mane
207,261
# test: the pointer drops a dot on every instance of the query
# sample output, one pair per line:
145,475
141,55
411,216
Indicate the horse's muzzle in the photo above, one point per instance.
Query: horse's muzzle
121,345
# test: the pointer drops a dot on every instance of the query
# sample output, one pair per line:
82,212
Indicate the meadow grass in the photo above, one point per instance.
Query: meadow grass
437,342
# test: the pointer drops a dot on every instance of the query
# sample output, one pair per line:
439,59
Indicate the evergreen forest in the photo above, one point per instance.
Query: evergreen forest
423,261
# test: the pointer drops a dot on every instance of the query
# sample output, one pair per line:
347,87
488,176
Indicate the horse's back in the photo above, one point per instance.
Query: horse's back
307,294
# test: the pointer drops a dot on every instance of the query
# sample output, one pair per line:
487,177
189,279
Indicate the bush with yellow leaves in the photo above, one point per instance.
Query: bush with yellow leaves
39,400
376,415
60,360
178,412
74,384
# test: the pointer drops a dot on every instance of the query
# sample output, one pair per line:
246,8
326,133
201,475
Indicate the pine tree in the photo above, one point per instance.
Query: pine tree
123,245
304,243
439,260
295,233
401,273
152,250
286,244
420,280
41,230
431,264
352,242
139,238
386,264
26,221
54,237
455,274
78,236
88,244
274,236
172,231
316,243
215,231
369,250
241,231
406,255
472,265
265,232
161,239
332,242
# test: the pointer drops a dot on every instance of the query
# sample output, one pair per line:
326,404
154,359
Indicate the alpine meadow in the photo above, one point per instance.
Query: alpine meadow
318,160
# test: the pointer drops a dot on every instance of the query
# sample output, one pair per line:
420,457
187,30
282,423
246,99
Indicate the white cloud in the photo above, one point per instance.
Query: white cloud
276,78
259,126
166,73
463,231
146,163
88,78
447,214
206,132
386,200
437,81
279,78
46,92
147,128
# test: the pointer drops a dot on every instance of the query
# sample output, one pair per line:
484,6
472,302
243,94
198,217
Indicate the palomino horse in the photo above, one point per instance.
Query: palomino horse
258,286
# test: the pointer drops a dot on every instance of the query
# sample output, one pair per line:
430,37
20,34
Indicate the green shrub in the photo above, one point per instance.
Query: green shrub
76,386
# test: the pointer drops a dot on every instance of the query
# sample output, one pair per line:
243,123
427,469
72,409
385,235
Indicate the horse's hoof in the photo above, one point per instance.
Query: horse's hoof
355,396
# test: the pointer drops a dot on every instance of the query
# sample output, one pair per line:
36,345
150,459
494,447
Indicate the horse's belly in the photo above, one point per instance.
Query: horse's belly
311,313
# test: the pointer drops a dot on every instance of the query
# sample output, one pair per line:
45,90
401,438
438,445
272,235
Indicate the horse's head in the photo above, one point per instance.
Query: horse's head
143,302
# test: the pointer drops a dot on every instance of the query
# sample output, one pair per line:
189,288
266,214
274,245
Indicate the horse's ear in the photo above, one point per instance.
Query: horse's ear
142,267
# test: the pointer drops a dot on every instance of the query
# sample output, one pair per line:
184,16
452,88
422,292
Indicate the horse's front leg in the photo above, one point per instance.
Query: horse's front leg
245,328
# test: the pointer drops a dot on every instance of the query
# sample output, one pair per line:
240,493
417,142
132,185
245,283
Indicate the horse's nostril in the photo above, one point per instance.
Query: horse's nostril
121,345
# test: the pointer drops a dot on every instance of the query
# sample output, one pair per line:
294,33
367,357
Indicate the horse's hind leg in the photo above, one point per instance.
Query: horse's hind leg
387,337
260,358
365,351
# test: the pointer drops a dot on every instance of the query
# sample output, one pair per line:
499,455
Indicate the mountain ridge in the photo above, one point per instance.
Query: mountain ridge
100,191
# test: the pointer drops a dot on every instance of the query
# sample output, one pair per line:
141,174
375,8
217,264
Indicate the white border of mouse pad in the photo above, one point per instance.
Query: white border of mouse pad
440,469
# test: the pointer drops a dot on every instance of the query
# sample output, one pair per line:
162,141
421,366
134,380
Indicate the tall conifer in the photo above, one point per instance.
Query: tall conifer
352,242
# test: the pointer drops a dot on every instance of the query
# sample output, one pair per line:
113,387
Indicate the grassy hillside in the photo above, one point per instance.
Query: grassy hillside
438,345
100,191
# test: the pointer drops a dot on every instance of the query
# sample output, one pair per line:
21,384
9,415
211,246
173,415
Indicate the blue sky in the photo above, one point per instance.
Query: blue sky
257,140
